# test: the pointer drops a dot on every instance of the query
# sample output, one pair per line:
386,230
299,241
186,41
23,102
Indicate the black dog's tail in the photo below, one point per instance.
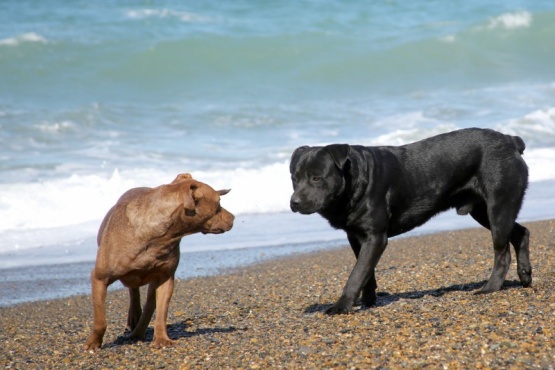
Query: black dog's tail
519,144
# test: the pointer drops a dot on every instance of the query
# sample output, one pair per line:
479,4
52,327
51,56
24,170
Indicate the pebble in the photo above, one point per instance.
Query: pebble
271,315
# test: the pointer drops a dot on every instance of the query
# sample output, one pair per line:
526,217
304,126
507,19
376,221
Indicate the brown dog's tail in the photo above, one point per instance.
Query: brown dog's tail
519,144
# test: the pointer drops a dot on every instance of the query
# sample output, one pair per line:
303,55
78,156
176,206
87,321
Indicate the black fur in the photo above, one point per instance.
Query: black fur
378,192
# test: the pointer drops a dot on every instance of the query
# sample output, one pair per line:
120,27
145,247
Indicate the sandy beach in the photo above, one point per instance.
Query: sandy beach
270,315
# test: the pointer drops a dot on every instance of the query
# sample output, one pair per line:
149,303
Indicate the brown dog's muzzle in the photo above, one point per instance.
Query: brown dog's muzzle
220,223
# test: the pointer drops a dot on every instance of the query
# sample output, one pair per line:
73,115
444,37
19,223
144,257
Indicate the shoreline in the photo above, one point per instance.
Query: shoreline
270,314
35,282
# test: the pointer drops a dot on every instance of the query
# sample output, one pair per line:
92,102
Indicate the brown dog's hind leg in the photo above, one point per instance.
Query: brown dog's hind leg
99,288
148,309
163,296
134,313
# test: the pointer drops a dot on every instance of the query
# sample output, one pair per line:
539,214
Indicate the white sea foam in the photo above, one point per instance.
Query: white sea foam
521,19
165,13
83,198
409,135
55,126
540,163
449,39
44,207
534,126
23,38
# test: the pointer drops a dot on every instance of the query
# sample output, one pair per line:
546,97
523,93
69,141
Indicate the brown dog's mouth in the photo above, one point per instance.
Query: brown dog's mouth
215,231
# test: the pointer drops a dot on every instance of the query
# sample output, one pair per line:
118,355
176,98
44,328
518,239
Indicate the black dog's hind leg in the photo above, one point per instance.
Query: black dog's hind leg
502,258
500,237
369,290
520,240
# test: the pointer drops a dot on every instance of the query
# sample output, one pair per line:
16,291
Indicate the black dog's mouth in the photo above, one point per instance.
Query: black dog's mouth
304,212
297,207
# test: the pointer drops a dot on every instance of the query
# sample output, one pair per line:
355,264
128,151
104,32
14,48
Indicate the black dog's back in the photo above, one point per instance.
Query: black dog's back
454,170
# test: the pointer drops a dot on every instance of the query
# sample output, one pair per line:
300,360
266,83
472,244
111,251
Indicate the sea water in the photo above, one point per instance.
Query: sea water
100,97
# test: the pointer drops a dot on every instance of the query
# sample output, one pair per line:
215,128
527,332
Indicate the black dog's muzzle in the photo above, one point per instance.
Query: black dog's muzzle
294,204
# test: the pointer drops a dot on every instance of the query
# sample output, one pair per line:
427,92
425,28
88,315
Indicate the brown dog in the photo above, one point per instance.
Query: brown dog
138,244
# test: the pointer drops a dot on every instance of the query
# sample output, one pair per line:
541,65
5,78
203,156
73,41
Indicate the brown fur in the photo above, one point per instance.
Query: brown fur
138,244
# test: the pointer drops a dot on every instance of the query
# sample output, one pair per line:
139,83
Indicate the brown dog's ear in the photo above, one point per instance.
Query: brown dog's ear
188,201
223,192
197,193
182,177
339,153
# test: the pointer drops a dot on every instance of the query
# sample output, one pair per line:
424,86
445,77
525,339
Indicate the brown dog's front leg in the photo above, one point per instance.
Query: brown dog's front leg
99,288
369,255
134,313
163,296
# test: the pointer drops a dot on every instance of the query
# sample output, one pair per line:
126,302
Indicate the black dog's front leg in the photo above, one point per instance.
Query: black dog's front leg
369,290
362,275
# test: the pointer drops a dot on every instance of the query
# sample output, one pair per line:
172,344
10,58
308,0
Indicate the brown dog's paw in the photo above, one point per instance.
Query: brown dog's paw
159,343
92,345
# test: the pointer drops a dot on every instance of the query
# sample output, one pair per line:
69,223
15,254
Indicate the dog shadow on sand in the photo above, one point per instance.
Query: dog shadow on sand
385,298
175,332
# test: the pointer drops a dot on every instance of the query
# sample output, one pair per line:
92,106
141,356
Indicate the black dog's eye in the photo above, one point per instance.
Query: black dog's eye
294,179
316,178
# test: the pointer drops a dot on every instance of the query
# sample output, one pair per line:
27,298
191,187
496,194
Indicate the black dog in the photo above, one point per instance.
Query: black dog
377,192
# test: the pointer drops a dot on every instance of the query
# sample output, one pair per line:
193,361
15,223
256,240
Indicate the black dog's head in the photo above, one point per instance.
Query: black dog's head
318,177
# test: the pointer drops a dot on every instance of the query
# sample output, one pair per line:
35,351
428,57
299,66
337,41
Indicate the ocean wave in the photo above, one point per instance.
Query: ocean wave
29,37
307,60
84,198
537,127
313,58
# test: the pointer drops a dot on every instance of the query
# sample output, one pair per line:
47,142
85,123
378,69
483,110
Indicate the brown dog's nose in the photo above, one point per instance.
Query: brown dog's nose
229,218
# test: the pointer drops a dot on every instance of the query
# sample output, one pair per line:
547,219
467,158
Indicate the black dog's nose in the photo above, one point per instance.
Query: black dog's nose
294,204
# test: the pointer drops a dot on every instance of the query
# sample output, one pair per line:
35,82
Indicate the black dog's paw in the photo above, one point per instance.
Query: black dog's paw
334,310
525,278
368,300
485,290
338,309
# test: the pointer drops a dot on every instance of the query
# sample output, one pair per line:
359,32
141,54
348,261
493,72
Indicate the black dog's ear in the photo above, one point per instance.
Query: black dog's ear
296,156
339,153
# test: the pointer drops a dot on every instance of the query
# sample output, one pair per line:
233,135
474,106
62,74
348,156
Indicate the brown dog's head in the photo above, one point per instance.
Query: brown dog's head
202,206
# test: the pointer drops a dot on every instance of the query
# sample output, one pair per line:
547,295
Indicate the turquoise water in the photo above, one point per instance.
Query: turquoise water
98,97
